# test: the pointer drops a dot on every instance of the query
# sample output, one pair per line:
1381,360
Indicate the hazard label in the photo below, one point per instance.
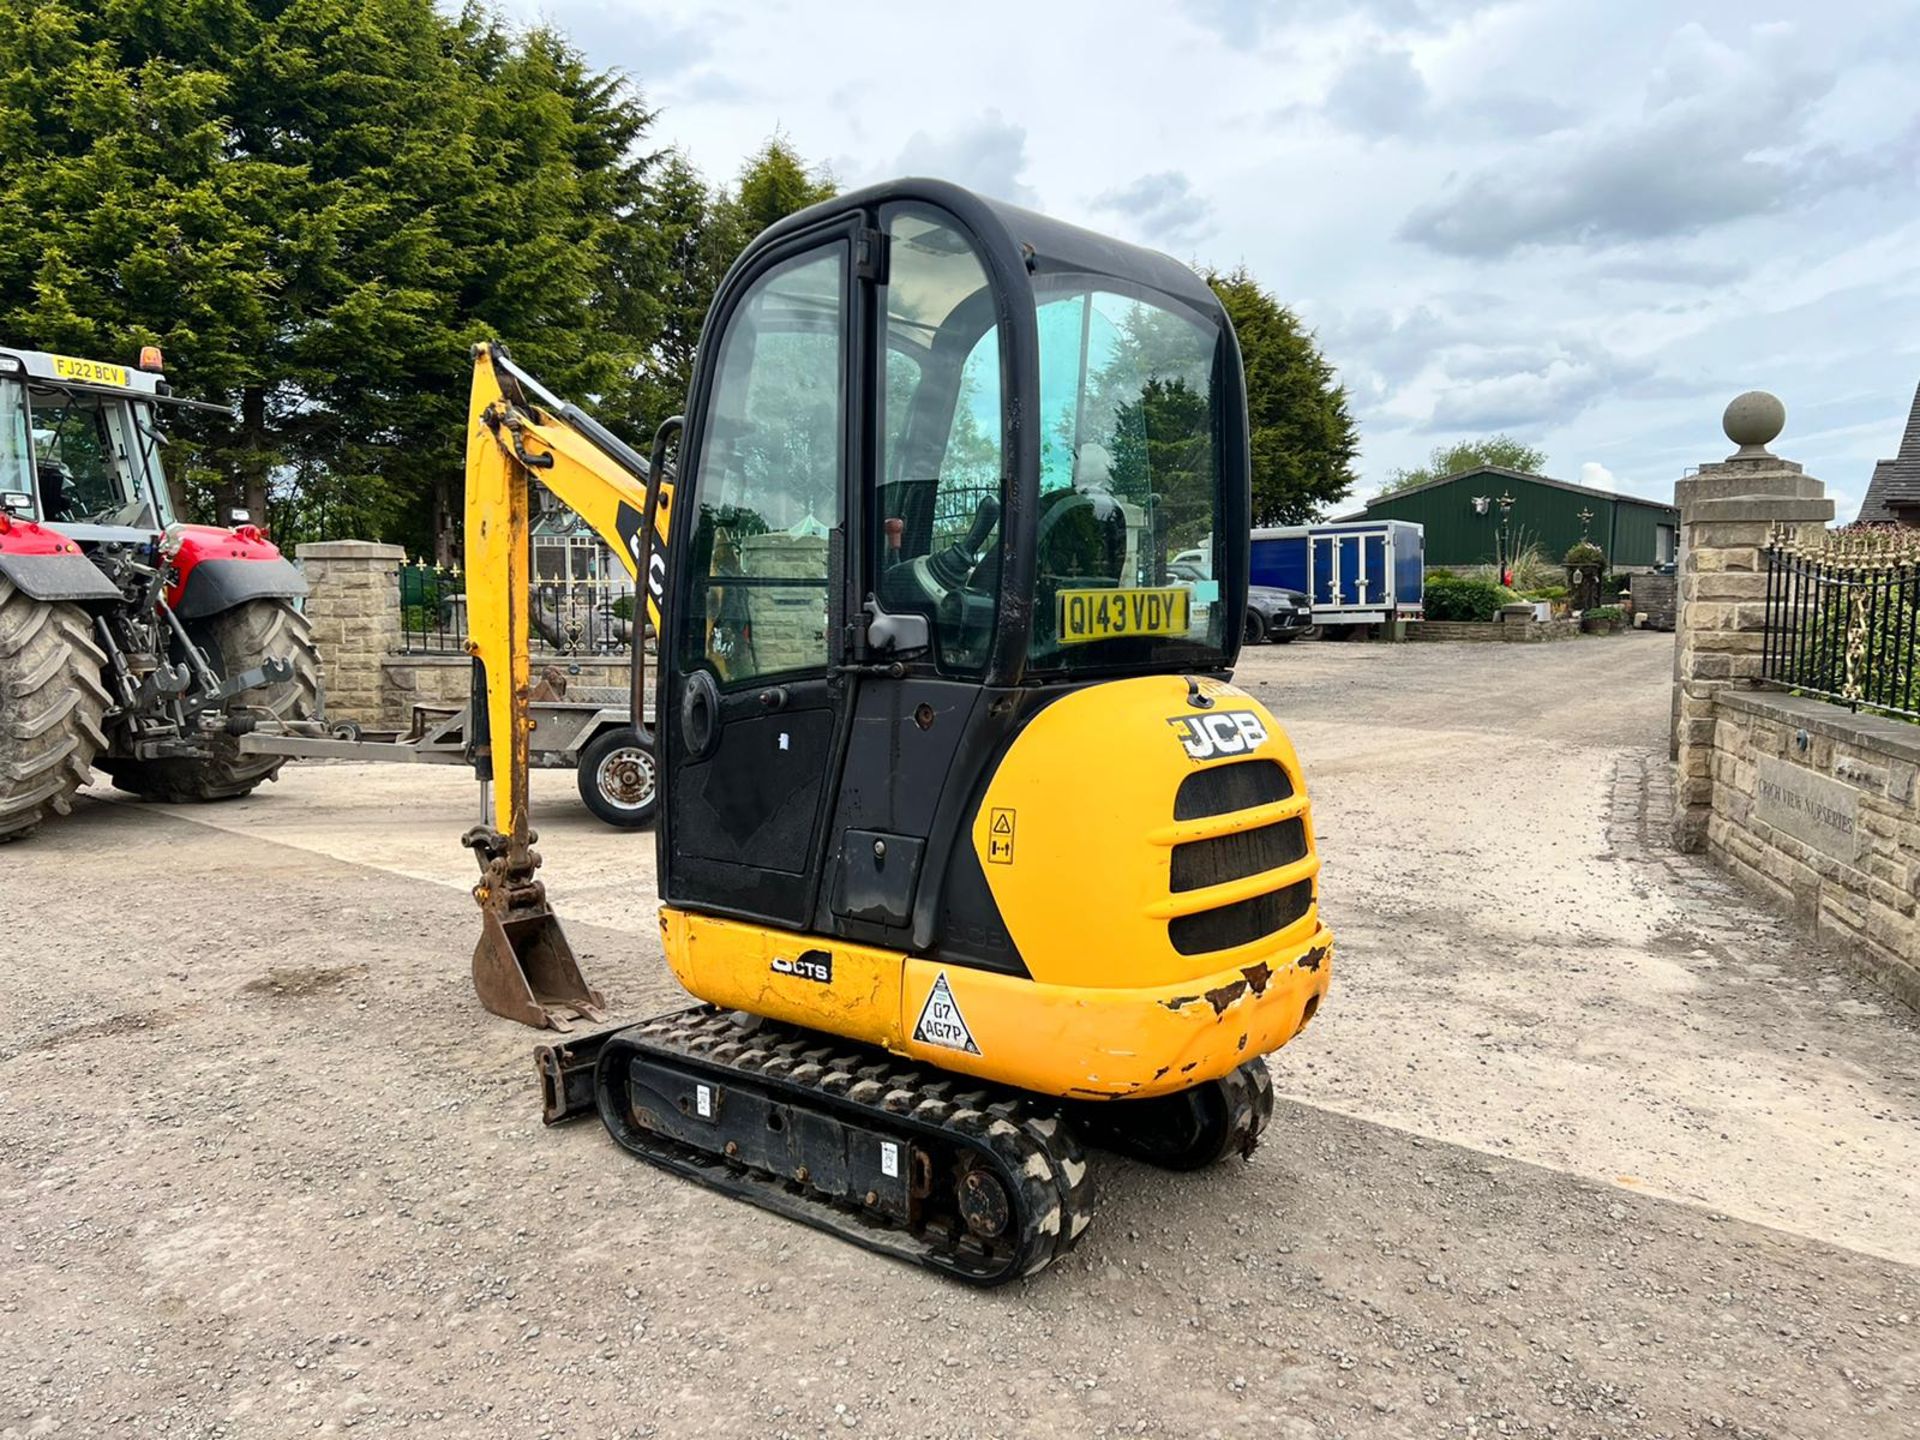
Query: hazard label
1000,837
941,1022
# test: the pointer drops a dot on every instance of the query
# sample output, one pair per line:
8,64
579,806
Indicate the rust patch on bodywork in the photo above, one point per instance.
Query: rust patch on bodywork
1223,997
1255,979
1311,960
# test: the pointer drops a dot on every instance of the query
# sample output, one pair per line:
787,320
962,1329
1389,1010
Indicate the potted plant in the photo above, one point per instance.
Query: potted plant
1585,562
1600,620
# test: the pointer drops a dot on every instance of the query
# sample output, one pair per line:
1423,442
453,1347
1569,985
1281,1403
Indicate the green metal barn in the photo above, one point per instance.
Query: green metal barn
1553,514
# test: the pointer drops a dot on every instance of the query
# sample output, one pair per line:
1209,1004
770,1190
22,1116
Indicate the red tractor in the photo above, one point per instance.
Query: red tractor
128,641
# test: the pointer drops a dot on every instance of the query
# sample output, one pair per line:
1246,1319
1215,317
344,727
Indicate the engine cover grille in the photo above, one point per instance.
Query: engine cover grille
1217,860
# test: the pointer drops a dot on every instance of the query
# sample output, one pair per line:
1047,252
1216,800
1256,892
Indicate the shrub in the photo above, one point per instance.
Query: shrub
1585,553
1453,599
1530,569
1603,612
1440,572
1546,592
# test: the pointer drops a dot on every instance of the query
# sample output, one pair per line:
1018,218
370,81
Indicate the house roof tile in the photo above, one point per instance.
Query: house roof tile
1896,482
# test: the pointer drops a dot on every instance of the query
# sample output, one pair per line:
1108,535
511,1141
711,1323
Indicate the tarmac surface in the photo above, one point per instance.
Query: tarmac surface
1585,1141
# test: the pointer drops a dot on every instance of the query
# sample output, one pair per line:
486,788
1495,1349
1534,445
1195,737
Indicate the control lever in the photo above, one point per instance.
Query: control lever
951,567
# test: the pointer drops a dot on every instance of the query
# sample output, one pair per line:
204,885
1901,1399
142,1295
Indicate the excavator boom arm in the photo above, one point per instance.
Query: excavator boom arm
523,967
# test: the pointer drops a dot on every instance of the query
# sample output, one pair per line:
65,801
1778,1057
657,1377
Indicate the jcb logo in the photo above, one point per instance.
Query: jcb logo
1225,732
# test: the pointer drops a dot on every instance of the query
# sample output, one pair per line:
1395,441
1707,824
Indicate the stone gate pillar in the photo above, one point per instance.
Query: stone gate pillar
353,603
1720,616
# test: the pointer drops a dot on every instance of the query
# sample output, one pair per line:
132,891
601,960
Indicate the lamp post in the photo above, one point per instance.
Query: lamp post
1505,537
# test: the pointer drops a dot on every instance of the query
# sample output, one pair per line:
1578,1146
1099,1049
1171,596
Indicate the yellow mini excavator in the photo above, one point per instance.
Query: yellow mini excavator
968,845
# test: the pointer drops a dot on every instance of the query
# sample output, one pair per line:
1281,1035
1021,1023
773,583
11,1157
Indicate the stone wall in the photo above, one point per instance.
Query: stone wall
353,601
409,680
1655,597
1797,797
1727,510
1817,806
353,604
1494,631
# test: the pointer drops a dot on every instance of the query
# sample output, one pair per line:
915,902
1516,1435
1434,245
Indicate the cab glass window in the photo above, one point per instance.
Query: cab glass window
1130,478
88,460
16,446
940,482
767,495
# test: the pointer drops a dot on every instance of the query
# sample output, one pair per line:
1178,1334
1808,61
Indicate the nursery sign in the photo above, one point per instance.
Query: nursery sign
1813,809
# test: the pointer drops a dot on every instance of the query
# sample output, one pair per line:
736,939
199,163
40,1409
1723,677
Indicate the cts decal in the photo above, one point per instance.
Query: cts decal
814,965
1224,732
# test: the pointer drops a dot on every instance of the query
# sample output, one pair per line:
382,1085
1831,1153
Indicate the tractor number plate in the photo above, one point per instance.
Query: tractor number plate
1089,615
91,372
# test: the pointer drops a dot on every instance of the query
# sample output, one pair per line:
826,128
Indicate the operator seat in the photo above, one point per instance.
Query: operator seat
54,504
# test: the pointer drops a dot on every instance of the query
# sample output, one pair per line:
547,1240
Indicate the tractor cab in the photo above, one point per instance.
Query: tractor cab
941,457
80,445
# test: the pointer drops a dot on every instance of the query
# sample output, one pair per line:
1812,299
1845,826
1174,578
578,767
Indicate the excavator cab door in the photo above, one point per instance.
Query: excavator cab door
754,643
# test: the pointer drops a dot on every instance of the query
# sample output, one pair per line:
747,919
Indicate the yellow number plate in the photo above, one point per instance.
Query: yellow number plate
1088,615
89,372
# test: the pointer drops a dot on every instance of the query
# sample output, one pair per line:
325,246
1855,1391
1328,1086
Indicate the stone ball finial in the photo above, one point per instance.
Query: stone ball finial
1752,421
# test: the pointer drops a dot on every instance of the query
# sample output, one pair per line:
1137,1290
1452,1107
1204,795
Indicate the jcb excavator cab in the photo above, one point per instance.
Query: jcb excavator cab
940,453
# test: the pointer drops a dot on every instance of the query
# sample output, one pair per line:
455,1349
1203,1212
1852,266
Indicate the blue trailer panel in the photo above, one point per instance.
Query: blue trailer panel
1355,573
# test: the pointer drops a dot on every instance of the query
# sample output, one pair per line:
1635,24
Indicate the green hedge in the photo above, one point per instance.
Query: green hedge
1451,599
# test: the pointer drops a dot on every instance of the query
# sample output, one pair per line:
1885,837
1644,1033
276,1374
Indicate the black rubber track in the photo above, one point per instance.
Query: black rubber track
1018,1137
1187,1131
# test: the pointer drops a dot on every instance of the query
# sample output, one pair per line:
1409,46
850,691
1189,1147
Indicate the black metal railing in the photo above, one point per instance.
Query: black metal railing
567,617
1843,617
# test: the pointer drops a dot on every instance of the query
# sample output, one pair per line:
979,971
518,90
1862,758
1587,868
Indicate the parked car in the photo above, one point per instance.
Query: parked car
1277,614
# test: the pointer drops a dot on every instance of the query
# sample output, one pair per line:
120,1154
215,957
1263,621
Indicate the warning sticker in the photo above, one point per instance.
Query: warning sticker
941,1022
1000,836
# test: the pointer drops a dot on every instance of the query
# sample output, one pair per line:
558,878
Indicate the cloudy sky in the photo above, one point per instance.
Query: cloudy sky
1588,223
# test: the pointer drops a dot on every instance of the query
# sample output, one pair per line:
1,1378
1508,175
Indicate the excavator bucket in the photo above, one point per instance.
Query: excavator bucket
523,967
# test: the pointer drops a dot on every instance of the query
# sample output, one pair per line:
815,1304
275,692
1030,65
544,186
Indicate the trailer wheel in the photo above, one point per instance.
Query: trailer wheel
238,639
51,706
619,778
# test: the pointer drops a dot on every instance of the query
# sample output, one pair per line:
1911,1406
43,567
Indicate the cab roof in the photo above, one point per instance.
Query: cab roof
75,370
1047,245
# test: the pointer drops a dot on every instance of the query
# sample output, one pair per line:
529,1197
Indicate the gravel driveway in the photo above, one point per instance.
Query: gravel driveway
1584,1142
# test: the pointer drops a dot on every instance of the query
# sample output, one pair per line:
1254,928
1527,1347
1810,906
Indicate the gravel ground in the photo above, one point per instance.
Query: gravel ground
1583,1143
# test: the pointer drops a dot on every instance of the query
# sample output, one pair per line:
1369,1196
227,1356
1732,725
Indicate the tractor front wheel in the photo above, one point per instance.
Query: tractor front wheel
239,639
51,705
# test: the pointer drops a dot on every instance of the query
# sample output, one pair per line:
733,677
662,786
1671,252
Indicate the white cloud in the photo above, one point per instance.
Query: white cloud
1677,212
1722,132
1598,476
1162,209
988,154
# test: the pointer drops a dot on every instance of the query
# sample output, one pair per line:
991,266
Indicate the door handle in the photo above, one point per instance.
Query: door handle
700,715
